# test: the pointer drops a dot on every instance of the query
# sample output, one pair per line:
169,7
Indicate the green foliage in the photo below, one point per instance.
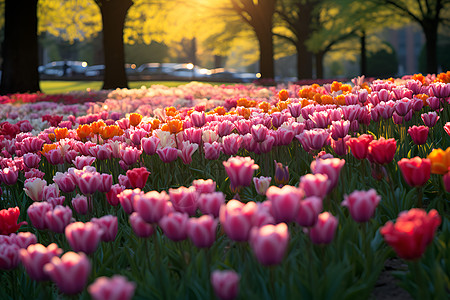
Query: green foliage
382,64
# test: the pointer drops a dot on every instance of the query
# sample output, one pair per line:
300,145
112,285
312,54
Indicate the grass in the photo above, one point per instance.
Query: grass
58,87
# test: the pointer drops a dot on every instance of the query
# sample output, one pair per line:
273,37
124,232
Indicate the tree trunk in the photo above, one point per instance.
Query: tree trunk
363,54
266,62
430,31
304,61
319,65
114,13
20,48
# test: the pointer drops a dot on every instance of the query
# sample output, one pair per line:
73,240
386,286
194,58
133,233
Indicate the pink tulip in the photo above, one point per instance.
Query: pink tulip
184,199
430,119
240,170
54,157
419,134
109,225
23,239
212,150
80,204
151,206
324,230
83,161
65,182
34,188
313,139
198,118
446,180
83,236
202,231
416,171
9,175
9,256
70,272
187,151
259,132
140,227
174,225
330,167
231,144
37,212
210,203
57,219
236,219
105,183
130,155
114,288
225,284
204,186
224,128
309,211
54,201
34,173
269,243
150,145
315,185
31,160
35,257
285,202
137,135
167,154
339,129
362,204
50,191
126,198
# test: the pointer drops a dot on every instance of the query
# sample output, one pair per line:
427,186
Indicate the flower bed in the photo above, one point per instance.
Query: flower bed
233,191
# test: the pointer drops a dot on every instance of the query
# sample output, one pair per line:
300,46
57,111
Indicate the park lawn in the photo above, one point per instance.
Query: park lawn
58,87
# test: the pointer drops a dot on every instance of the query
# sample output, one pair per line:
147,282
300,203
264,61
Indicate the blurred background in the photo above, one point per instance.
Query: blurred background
236,40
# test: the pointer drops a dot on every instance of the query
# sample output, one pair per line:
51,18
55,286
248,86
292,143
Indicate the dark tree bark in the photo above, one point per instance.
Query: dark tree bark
363,54
20,48
430,30
114,13
259,15
319,64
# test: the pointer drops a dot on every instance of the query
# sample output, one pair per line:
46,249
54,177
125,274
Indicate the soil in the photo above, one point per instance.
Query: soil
386,287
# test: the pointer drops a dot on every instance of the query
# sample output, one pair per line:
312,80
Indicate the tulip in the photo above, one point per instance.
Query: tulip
83,161
34,188
174,225
36,212
138,177
57,219
446,180
184,199
83,236
314,185
150,145
313,139
114,288
187,151
324,230
240,170
140,227
109,225
151,206
259,132
111,196
285,202
212,150
80,204
309,211
362,204
167,154
126,199
440,161
65,182
31,160
339,129
281,174
430,119
9,175
416,171
262,184
202,231
225,284
35,257
231,144
8,220
198,118
269,243
419,134
382,151
236,219
9,256
70,272
412,232
224,128
50,191
204,186
135,119
210,203
330,167
447,128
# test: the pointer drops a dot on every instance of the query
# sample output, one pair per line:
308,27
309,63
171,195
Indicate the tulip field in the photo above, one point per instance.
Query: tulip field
227,192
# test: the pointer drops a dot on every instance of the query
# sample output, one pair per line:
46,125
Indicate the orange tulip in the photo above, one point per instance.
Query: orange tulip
265,106
171,111
440,161
326,99
340,100
83,131
61,133
155,124
108,132
220,110
135,119
96,126
283,95
242,102
282,105
423,97
47,147
173,126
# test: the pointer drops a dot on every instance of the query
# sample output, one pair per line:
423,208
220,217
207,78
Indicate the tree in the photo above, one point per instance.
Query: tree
429,14
113,14
297,16
20,48
259,15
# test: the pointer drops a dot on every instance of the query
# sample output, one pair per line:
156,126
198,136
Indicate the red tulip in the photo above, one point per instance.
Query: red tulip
138,177
419,134
382,151
416,171
8,220
412,232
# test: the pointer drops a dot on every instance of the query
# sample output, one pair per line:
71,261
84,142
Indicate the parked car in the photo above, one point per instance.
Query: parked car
63,68
95,70
155,68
